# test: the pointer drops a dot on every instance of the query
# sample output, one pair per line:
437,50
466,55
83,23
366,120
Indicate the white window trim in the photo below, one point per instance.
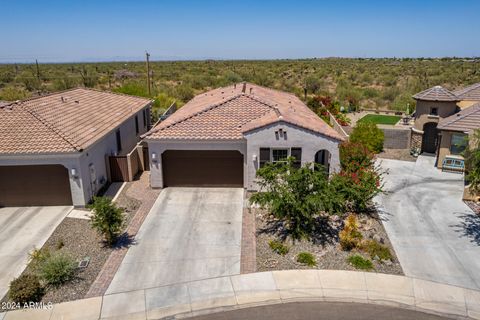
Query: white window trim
289,151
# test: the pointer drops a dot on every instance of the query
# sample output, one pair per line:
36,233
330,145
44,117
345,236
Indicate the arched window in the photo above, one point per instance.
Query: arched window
323,157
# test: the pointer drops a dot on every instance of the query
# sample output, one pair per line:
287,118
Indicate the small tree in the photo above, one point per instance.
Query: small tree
107,218
295,195
472,163
368,134
355,156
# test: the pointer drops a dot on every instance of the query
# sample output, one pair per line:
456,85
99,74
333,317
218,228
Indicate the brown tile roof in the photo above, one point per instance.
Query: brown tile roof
470,93
467,120
68,121
227,113
437,93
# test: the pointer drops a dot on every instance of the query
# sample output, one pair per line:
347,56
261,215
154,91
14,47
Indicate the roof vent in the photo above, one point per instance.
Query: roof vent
251,90
244,87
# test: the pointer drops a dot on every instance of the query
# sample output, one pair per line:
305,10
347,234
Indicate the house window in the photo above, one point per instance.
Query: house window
136,125
119,141
279,155
297,154
434,111
264,156
458,144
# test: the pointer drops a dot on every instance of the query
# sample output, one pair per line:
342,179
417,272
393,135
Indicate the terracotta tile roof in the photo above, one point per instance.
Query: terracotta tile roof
437,93
470,93
467,120
68,121
227,113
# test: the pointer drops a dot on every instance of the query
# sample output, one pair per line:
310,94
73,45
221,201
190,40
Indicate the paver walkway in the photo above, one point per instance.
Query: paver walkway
140,190
435,235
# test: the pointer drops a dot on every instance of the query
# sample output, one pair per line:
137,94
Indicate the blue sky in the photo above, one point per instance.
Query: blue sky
104,30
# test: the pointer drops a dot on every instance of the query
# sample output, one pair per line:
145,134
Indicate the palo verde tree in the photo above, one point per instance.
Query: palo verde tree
295,195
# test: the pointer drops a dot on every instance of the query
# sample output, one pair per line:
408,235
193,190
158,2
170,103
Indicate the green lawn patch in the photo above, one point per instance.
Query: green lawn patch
380,119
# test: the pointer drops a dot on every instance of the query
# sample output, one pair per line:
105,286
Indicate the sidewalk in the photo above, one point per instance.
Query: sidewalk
268,288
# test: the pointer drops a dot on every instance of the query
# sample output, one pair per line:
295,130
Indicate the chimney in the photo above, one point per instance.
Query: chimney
244,87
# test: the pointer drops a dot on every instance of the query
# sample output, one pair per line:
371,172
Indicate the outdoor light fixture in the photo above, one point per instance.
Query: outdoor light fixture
254,157
154,156
73,171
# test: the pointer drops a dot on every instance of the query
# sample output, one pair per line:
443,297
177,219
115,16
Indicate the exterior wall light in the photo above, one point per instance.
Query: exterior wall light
254,158
74,172
154,157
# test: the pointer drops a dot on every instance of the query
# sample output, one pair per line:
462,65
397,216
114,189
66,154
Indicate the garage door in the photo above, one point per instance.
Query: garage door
43,185
186,168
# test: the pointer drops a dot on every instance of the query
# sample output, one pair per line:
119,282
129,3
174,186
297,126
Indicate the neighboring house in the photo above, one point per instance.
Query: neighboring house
54,148
455,132
434,105
221,138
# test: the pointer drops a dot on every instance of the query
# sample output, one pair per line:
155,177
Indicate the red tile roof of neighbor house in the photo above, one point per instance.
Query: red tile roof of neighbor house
466,120
437,93
228,113
63,122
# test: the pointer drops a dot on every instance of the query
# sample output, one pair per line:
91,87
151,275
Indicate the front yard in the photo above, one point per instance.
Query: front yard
380,119
324,245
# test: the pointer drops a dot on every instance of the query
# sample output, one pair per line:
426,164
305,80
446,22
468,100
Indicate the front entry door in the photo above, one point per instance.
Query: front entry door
430,137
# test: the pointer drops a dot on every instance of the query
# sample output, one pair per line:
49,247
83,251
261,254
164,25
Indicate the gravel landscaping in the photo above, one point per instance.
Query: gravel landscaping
76,238
325,247
397,154
475,206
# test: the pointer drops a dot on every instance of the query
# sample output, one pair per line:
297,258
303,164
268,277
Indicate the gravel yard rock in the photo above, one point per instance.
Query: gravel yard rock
397,154
324,246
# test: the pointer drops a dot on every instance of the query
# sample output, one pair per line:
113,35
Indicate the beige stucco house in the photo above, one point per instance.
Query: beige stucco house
54,148
222,137
444,120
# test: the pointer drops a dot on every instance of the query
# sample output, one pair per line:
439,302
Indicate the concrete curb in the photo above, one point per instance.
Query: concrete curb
256,289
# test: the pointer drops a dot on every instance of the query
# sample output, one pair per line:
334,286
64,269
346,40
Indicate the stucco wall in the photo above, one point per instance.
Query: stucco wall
309,141
422,112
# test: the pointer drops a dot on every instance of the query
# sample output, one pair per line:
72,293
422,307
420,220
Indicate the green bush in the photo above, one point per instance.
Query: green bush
472,163
57,269
107,218
37,257
375,249
306,258
26,288
278,247
296,195
368,134
355,156
360,262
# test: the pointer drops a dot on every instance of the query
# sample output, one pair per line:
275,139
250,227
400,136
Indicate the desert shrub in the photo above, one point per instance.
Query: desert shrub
26,288
133,88
296,195
11,93
107,218
57,269
184,92
360,262
306,258
355,156
278,247
368,134
357,189
350,237
37,257
375,249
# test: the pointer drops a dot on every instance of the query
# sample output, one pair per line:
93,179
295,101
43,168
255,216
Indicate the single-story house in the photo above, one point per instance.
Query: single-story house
455,132
221,137
53,148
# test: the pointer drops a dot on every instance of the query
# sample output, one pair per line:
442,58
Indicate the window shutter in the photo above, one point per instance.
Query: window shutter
297,154
264,156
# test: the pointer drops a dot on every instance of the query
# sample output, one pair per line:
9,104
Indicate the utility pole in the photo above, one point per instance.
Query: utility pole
38,69
148,72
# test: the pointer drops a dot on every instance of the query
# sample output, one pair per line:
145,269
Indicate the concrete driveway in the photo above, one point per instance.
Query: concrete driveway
21,229
435,235
190,234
